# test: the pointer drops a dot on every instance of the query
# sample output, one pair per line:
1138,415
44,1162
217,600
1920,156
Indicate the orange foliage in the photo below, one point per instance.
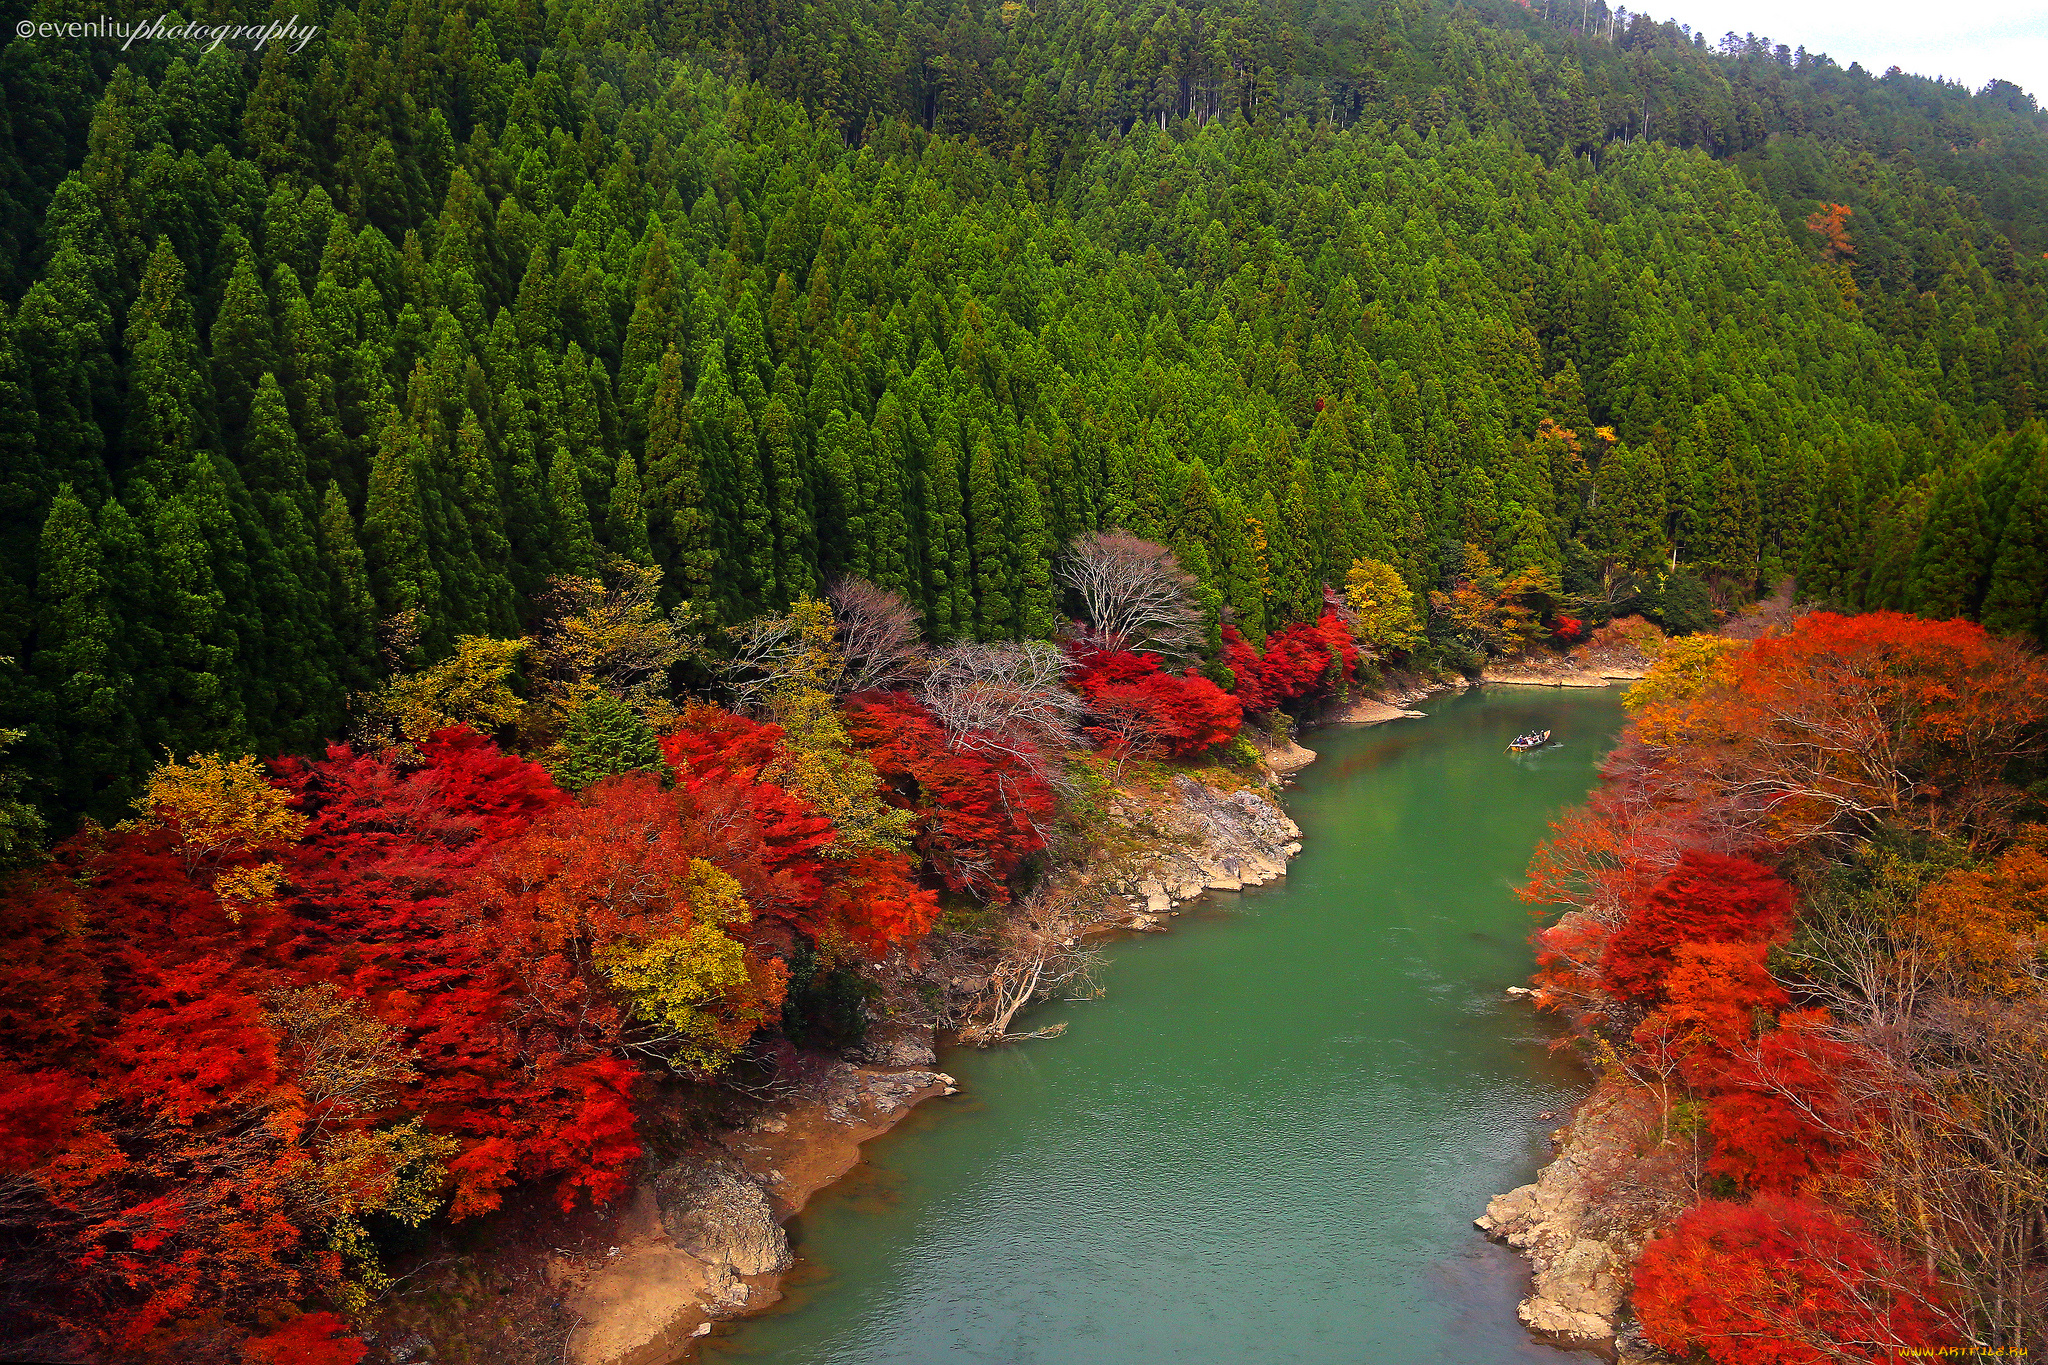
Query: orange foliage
1849,720
1831,223
1707,898
1781,1281
1984,927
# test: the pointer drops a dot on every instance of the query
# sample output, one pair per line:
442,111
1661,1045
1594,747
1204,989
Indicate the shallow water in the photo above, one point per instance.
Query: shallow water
1268,1141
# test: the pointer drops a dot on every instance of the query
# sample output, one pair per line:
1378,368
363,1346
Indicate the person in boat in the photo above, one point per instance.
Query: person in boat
1533,739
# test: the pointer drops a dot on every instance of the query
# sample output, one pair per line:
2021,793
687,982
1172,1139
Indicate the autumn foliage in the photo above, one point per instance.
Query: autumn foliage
1858,1072
456,978
1300,661
1781,1280
981,813
1134,703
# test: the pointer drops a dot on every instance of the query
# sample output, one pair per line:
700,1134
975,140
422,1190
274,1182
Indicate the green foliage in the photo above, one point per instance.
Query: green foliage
826,1005
1281,288
603,738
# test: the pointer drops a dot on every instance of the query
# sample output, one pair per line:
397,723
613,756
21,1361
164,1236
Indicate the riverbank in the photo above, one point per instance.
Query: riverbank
1176,837
700,1238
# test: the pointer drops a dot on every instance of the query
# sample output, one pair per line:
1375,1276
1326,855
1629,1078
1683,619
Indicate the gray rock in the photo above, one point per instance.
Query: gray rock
722,1218
895,1045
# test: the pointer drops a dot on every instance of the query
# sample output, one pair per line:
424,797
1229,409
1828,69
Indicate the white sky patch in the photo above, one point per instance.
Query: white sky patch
1972,43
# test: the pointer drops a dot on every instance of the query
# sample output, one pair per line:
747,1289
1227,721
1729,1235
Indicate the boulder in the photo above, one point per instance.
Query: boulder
722,1218
894,1045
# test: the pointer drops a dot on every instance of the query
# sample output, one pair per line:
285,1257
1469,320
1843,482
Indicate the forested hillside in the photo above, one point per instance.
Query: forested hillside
502,435
379,336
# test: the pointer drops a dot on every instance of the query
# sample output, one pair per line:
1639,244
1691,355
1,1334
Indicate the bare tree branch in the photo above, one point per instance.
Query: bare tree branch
1136,594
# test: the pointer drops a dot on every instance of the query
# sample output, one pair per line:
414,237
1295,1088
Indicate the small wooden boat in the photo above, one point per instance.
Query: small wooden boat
1522,744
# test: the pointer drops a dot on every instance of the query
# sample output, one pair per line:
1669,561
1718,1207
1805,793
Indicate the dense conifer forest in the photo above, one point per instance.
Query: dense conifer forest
460,298
538,541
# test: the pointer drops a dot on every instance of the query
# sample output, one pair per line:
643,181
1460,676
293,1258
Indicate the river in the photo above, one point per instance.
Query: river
1267,1142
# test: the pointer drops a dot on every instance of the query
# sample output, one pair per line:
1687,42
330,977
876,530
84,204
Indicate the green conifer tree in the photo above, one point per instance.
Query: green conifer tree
352,607
1954,556
85,715
2017,599
1834,534
243,344
625,521
575,549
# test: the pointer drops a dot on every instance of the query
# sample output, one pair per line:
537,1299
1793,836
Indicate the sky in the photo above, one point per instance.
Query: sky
1971,42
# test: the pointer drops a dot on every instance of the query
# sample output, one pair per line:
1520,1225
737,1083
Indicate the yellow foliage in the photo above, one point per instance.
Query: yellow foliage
243,889
692,985
471,687
1382,605
397,1171
1662,702
817,758
613,637
219,806
1984,926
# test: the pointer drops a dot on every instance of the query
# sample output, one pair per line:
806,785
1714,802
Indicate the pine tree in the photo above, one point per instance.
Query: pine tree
1827,564
85,716
625,521
1033,546
353,609
796,540
948,564
202,604
1954,556
2017,600
604,738
476,494
243,345
300,683
1626,526
1732,527
396,547
575,549
678,490
991,547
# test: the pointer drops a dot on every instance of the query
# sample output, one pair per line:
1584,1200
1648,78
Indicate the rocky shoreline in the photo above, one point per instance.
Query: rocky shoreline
1586,1217
700,1239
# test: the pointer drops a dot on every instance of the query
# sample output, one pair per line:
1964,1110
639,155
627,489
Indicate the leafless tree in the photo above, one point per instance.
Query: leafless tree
1045,950
1003,698
879,645
1135,593
1006,700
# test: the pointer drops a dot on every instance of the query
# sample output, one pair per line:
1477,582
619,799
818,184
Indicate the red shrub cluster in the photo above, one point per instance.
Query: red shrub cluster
1135,704
1781,1280
186,1074
982,812
1568,628
1299,661
1707,898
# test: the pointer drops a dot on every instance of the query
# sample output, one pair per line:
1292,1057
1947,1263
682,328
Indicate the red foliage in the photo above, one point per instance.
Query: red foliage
1299,661
1707,898
1134,703
773,841
1568,628
389,849
982,814
308,1339
1844,720
1718,991
1779,1115
1781,1281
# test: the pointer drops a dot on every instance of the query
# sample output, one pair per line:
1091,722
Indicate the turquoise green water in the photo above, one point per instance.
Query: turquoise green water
1268,1141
